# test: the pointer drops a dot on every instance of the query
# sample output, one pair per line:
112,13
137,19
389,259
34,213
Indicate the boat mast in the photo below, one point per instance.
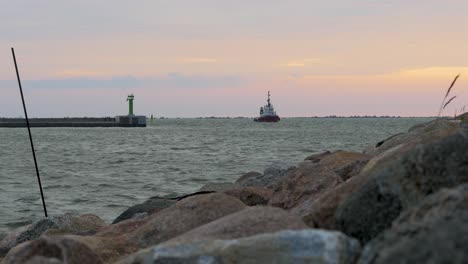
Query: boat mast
268,99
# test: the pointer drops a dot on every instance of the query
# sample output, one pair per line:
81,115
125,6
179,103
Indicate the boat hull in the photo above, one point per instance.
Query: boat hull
274,118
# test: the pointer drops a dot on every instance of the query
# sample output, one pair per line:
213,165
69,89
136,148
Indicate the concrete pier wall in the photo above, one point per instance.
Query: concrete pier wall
72,122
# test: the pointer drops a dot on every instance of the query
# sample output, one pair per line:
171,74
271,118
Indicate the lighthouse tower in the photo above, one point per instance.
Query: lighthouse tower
131,120
130,99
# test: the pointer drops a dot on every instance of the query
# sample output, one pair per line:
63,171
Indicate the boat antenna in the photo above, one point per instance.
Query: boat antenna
29,131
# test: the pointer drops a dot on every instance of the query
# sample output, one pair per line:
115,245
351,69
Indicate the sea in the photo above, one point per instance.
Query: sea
103,171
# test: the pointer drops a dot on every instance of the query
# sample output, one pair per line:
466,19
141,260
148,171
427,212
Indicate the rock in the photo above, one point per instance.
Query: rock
185,215
250,221
123,227
251,195
69,224
403,183
308,181
247,176
302,246
108,248
277,169
463,117
272,175
422,133
179,198
152,205
435,231
57,249
315,158
319,212
344,163
218,187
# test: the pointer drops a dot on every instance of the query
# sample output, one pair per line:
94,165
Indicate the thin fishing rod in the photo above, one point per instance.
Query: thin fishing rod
29,131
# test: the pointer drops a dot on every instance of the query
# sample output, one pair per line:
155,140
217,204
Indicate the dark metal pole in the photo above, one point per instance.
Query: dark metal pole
29,131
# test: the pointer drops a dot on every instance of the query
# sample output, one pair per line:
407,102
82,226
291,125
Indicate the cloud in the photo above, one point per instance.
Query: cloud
197,60
293,64
309,62
171,80
425,73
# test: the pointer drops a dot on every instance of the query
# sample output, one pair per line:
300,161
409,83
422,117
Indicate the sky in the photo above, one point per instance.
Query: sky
198,58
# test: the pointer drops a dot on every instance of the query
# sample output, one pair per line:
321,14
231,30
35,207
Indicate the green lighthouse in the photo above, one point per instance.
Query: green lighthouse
130,104
131,120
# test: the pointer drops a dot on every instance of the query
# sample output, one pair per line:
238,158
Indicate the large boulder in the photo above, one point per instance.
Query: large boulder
301,246
152,205
122,227
403,183
218,187
57,249
251,195
435,231
272,175
421,133
244,178
250,221
86,224
185,215
108,248
344,163
319,212
124,238
307,181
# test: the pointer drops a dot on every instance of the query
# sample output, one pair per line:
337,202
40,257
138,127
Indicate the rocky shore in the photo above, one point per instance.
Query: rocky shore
401,200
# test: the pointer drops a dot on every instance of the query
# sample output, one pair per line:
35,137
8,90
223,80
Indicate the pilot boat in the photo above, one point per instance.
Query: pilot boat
267,113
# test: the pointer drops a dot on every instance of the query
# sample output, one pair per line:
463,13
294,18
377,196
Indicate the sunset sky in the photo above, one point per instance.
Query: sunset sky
219,58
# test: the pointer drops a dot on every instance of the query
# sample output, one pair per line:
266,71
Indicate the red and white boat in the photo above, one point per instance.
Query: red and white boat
267,113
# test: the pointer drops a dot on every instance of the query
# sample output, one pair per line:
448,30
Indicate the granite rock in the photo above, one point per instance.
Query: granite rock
403,183
57,249
300,246
307,181
434,231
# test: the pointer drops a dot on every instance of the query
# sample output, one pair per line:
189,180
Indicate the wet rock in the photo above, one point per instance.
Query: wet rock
185,215
421,133
251,195
248,222
302,246
152,205
403,183
435,231
218,187
67,224
307,181
55,249
272,175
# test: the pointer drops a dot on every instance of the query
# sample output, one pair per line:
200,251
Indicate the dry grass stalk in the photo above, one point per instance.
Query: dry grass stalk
443,105
448,102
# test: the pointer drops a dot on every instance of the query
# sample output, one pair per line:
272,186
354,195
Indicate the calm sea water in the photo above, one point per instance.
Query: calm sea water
105,170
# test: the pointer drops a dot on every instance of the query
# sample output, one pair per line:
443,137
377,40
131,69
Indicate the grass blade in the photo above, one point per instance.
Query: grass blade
453,83
448,102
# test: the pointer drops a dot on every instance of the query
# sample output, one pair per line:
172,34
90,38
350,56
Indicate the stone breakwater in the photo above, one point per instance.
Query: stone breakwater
401,200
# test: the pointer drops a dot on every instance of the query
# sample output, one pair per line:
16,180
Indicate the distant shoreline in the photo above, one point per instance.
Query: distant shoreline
220,117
